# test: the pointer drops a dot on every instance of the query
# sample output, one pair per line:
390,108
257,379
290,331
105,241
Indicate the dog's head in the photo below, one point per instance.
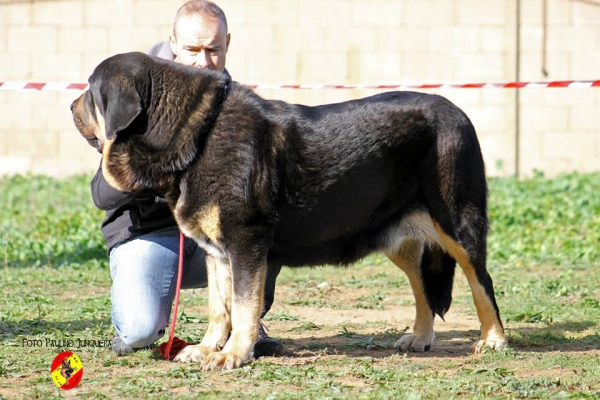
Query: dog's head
144,115
112,102
66,370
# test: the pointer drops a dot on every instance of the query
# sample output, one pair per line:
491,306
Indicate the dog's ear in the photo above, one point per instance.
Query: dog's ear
122,105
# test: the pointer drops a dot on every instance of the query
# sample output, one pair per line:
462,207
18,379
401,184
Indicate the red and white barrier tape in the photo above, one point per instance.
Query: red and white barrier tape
46,86
65,86
552,84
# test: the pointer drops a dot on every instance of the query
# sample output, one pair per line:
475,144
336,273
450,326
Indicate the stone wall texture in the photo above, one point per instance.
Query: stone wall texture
325,41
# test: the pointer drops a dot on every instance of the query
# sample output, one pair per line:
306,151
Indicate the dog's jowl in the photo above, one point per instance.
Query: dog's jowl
259,183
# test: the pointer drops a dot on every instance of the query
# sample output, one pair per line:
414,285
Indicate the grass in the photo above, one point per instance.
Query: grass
338,326
542,221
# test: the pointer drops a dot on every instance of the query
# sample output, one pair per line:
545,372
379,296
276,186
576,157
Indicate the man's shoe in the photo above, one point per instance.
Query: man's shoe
119,347
265,346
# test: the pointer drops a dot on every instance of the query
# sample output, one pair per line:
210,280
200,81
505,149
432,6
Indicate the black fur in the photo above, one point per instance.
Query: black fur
437,272
298,185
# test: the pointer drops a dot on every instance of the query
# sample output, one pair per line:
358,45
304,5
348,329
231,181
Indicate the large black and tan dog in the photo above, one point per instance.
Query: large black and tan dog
259,183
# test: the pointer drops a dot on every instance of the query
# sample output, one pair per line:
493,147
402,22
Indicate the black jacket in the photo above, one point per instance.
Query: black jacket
131,214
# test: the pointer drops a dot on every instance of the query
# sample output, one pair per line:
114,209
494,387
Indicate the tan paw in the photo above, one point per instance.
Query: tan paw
222,360
193,353
412,342
493,344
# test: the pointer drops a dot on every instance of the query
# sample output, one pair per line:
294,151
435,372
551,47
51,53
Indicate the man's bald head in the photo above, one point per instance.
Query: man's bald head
201,9
200,36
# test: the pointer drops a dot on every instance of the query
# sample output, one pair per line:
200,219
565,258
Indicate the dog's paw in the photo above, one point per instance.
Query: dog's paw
222,360
193,353
418,343
493,344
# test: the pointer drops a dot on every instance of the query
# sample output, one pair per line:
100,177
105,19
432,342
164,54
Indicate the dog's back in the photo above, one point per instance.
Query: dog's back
357,170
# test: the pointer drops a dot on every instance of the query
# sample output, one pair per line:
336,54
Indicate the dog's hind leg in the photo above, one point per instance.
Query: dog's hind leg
219,312
472,260
454,189
408,258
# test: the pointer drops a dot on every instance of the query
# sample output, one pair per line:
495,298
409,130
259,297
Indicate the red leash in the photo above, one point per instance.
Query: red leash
174,345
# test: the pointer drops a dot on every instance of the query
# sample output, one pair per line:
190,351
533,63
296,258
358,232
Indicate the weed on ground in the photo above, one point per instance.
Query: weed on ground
338,326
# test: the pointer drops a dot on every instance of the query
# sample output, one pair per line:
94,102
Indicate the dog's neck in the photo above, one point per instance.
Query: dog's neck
209,121
204,131
190,125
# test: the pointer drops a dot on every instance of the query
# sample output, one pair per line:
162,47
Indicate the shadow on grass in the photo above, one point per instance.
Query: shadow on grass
28,328
448,344
61,259
567,336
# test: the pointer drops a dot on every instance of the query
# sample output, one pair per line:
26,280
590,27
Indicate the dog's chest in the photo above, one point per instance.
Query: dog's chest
203,225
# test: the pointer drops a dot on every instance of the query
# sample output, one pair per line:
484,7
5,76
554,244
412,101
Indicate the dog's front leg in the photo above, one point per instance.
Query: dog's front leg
246,304
219,312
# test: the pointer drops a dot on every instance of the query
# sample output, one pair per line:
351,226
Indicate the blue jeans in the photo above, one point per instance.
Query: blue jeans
144,275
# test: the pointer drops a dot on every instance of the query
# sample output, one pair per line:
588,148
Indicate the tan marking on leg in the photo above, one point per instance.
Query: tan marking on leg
245,315
219,302
209,220
205,223
192,228
492,333
408,259
219,313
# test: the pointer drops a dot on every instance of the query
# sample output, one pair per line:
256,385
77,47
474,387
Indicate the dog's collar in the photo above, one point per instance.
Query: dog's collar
219,106
211,119
223,96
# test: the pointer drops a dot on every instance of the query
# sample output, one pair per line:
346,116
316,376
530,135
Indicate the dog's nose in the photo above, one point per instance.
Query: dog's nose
72,105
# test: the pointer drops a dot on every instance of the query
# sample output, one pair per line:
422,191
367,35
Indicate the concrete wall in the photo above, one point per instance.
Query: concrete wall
322,41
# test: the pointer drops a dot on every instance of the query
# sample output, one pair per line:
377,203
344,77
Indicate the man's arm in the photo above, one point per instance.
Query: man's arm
106,197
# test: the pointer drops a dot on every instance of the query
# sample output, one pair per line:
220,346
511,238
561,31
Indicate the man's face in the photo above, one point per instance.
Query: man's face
201,42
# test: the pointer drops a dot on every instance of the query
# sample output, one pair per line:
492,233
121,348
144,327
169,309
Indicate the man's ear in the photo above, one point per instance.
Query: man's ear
122,105
173,43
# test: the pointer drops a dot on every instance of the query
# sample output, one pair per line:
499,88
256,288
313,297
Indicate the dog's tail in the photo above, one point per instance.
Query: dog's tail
453,186
437,275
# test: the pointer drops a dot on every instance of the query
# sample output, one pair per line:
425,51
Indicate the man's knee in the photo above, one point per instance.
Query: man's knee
139,332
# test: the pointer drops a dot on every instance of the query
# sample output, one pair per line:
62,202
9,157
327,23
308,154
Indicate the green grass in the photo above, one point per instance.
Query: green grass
544,257
48,222
542,221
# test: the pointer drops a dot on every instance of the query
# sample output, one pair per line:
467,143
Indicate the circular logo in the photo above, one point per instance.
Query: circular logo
66,370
